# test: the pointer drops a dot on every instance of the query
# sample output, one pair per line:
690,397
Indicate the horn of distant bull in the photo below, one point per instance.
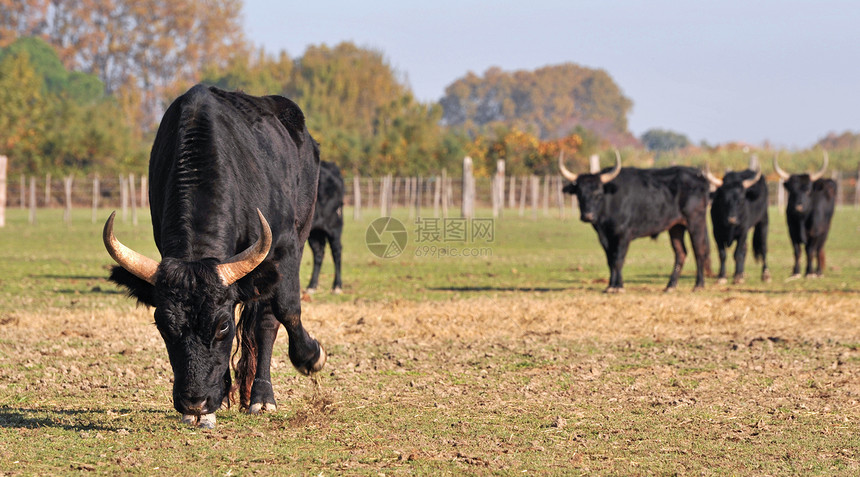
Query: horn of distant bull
717,182
564,172
139,265
820,173
608,176
243,263
751,182
782,174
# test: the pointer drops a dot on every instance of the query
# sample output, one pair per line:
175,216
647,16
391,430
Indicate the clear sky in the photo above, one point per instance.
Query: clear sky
783,71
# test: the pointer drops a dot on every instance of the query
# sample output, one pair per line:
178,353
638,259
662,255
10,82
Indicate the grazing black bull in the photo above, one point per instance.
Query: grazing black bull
328,224
811,202
624,204
222,164
740,204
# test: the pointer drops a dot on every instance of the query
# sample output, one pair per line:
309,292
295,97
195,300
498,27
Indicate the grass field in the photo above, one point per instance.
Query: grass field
508,362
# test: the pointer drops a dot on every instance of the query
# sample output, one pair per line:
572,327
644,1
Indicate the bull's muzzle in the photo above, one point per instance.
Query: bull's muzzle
732,220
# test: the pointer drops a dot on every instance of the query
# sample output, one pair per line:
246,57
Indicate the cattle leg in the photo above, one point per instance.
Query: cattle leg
336,247
721,250
316,240
615,254
265,331
797,252
676,238
740,258
759,241
811,252
306,354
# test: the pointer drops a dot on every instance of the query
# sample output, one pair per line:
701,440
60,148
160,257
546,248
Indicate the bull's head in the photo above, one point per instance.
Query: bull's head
799,187
731,193
589,188
194,312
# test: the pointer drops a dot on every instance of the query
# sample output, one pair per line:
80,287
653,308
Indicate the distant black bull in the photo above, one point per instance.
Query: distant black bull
624,204
811,201
222,164
328,224
740,204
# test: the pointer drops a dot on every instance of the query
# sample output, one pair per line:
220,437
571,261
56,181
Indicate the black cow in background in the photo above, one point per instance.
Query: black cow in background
222,164
740,204
328,224
624,204
811,201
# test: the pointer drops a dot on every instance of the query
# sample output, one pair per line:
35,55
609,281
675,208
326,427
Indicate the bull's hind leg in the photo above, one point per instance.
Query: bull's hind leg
316,241
676,238
336,247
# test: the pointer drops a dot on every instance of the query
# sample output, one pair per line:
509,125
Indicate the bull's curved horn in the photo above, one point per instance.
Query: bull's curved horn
751,182
564,172
818,175
717,182
139,265
241,264
608,176
782,174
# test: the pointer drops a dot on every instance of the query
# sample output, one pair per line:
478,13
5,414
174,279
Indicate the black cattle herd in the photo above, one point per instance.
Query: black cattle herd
237,188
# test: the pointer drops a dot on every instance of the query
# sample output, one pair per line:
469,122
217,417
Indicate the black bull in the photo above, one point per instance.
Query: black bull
328,224
809,212
627,203
222,164
740,204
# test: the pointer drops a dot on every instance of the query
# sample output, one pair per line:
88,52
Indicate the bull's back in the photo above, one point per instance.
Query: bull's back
217,157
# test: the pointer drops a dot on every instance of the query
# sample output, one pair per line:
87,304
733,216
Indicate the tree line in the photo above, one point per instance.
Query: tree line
83,84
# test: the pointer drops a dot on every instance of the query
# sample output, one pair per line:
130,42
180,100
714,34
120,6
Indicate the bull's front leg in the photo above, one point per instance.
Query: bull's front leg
740,259
615,257
721,250
262,396
795,272
676,238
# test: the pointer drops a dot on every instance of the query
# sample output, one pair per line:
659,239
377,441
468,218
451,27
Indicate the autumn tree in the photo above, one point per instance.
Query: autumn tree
550,102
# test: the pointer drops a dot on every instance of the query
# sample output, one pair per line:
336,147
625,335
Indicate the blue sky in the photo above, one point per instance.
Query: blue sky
783,71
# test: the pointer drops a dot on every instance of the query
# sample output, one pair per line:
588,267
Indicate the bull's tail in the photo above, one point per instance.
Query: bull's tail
246,365
758,242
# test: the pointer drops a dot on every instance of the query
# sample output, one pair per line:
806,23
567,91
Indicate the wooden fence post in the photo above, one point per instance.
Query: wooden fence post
512,193
524,187
545,195
594,164
23,192
857,189
144,191
467,207
3,163
133,199
67,186
123,192
499,188
559,196
356,197
535,195
32,200
445,193
369,193
47,190
95,197
780,193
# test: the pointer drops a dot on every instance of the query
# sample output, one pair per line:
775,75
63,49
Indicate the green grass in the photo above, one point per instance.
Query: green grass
85,384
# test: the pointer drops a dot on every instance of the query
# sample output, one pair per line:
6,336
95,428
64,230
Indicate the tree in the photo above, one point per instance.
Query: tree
550,101
660,140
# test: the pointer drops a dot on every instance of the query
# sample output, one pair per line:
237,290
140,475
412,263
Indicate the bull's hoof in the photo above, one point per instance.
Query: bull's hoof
765,276
311,291
722,281
206,421
261,407
796,276
316,366
814,275
614,290
672,289
337,290
738,280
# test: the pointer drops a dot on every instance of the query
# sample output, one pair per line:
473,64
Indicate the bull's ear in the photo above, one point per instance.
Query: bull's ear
261,283
570,188
138,288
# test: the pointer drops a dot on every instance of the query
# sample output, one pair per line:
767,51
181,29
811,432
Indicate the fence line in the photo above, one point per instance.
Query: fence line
437,194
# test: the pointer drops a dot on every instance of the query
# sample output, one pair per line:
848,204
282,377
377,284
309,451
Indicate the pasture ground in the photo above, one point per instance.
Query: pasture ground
512,363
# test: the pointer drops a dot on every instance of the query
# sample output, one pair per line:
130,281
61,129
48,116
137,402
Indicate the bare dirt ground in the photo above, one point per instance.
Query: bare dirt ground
743,383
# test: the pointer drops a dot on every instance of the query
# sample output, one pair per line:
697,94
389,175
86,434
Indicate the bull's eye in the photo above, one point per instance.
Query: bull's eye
223,330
